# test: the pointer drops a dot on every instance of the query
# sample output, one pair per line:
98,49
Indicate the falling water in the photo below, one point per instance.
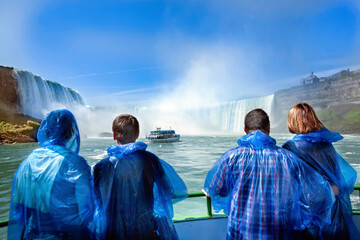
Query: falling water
225,117
229,116
39,96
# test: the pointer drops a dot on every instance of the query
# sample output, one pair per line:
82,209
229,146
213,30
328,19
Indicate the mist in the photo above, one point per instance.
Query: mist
210,96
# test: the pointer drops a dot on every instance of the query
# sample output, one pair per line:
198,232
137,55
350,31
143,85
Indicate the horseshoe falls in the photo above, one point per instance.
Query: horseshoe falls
38,96
230,116
217,118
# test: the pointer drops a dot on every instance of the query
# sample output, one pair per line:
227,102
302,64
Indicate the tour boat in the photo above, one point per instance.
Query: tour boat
162,136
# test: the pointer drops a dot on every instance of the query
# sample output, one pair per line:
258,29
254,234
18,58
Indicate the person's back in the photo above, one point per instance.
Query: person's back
260,185
51,195
128,197
132,189
313,145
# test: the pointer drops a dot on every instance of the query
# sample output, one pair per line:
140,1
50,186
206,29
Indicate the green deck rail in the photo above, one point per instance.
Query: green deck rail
209,214
357,211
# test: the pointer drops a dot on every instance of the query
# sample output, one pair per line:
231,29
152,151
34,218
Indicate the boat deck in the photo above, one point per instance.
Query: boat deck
211,226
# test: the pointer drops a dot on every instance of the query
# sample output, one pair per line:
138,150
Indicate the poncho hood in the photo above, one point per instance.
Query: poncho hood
323,135
59,127
257,138
118,151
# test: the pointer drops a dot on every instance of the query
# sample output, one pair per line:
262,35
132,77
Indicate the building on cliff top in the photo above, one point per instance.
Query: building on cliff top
342,73
312,78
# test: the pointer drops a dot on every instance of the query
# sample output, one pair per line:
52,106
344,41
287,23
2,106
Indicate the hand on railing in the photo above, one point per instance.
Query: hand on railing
206,194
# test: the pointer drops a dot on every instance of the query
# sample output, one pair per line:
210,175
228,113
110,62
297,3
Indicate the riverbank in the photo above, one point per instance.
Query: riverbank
20,129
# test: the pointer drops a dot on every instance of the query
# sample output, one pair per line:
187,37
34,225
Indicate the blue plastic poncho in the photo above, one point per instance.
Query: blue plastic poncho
266,191
316,150
134,193
51,193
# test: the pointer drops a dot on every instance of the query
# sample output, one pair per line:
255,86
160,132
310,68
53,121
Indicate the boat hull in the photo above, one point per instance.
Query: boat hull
165,140
209,229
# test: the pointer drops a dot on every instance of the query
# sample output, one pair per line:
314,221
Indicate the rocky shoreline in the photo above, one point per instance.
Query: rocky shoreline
18,133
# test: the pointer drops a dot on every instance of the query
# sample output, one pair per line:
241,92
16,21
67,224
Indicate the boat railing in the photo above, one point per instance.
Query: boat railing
209,213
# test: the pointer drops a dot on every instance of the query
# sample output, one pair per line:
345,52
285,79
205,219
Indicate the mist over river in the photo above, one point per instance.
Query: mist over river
192,158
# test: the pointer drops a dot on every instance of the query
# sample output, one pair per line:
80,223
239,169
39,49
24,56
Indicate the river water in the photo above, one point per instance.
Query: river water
192,158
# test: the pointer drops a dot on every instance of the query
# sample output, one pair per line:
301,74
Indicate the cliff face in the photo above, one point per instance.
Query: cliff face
14,126
336,102
8,91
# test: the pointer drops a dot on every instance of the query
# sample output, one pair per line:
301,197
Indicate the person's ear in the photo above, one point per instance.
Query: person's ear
268,130
245,130
114,136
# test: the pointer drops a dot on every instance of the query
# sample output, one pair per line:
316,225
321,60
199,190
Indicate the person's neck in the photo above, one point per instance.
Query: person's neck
251,131
120,143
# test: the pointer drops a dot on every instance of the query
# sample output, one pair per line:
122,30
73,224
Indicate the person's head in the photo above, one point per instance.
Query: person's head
125,129
59,127
257,119
302,119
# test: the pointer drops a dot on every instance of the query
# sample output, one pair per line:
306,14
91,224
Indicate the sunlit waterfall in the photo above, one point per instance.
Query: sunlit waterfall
224,117
229,116
39,96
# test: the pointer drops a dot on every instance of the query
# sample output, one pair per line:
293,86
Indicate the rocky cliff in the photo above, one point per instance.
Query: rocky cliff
14,126
336,102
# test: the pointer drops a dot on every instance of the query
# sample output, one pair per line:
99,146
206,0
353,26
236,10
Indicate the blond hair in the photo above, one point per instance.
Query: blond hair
302,119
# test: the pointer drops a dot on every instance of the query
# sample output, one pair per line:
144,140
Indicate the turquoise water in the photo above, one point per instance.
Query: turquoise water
192,157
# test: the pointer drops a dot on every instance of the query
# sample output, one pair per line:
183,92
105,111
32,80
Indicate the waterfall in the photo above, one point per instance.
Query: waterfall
230,116
39,96
215,118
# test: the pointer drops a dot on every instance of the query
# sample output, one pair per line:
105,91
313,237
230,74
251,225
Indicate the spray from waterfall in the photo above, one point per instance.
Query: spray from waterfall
190,109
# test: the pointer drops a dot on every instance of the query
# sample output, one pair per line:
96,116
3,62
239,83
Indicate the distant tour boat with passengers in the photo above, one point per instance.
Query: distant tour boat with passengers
163,136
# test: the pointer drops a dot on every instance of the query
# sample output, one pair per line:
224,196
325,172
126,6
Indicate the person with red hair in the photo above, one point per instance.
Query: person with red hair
313,144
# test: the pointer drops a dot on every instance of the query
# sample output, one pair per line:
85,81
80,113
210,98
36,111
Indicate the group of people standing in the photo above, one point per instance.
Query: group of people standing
299,191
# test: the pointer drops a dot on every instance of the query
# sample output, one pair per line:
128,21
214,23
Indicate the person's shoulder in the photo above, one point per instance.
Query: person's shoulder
286,153
76,161
146,154
233,153
238,150
102,162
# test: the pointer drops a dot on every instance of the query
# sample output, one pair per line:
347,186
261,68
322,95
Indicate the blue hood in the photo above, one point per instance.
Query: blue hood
59,127
257,138
323,135
118,151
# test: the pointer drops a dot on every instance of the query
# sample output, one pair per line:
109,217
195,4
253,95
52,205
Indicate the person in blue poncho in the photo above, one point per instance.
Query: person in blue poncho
134,189
313,144
265,190
52,193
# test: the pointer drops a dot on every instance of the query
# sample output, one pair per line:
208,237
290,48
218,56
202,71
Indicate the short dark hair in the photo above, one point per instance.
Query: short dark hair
257,119
126,128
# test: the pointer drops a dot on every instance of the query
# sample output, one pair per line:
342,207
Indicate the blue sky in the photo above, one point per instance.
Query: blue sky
132,52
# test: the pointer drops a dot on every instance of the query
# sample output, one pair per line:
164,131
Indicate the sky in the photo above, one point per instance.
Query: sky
189,52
